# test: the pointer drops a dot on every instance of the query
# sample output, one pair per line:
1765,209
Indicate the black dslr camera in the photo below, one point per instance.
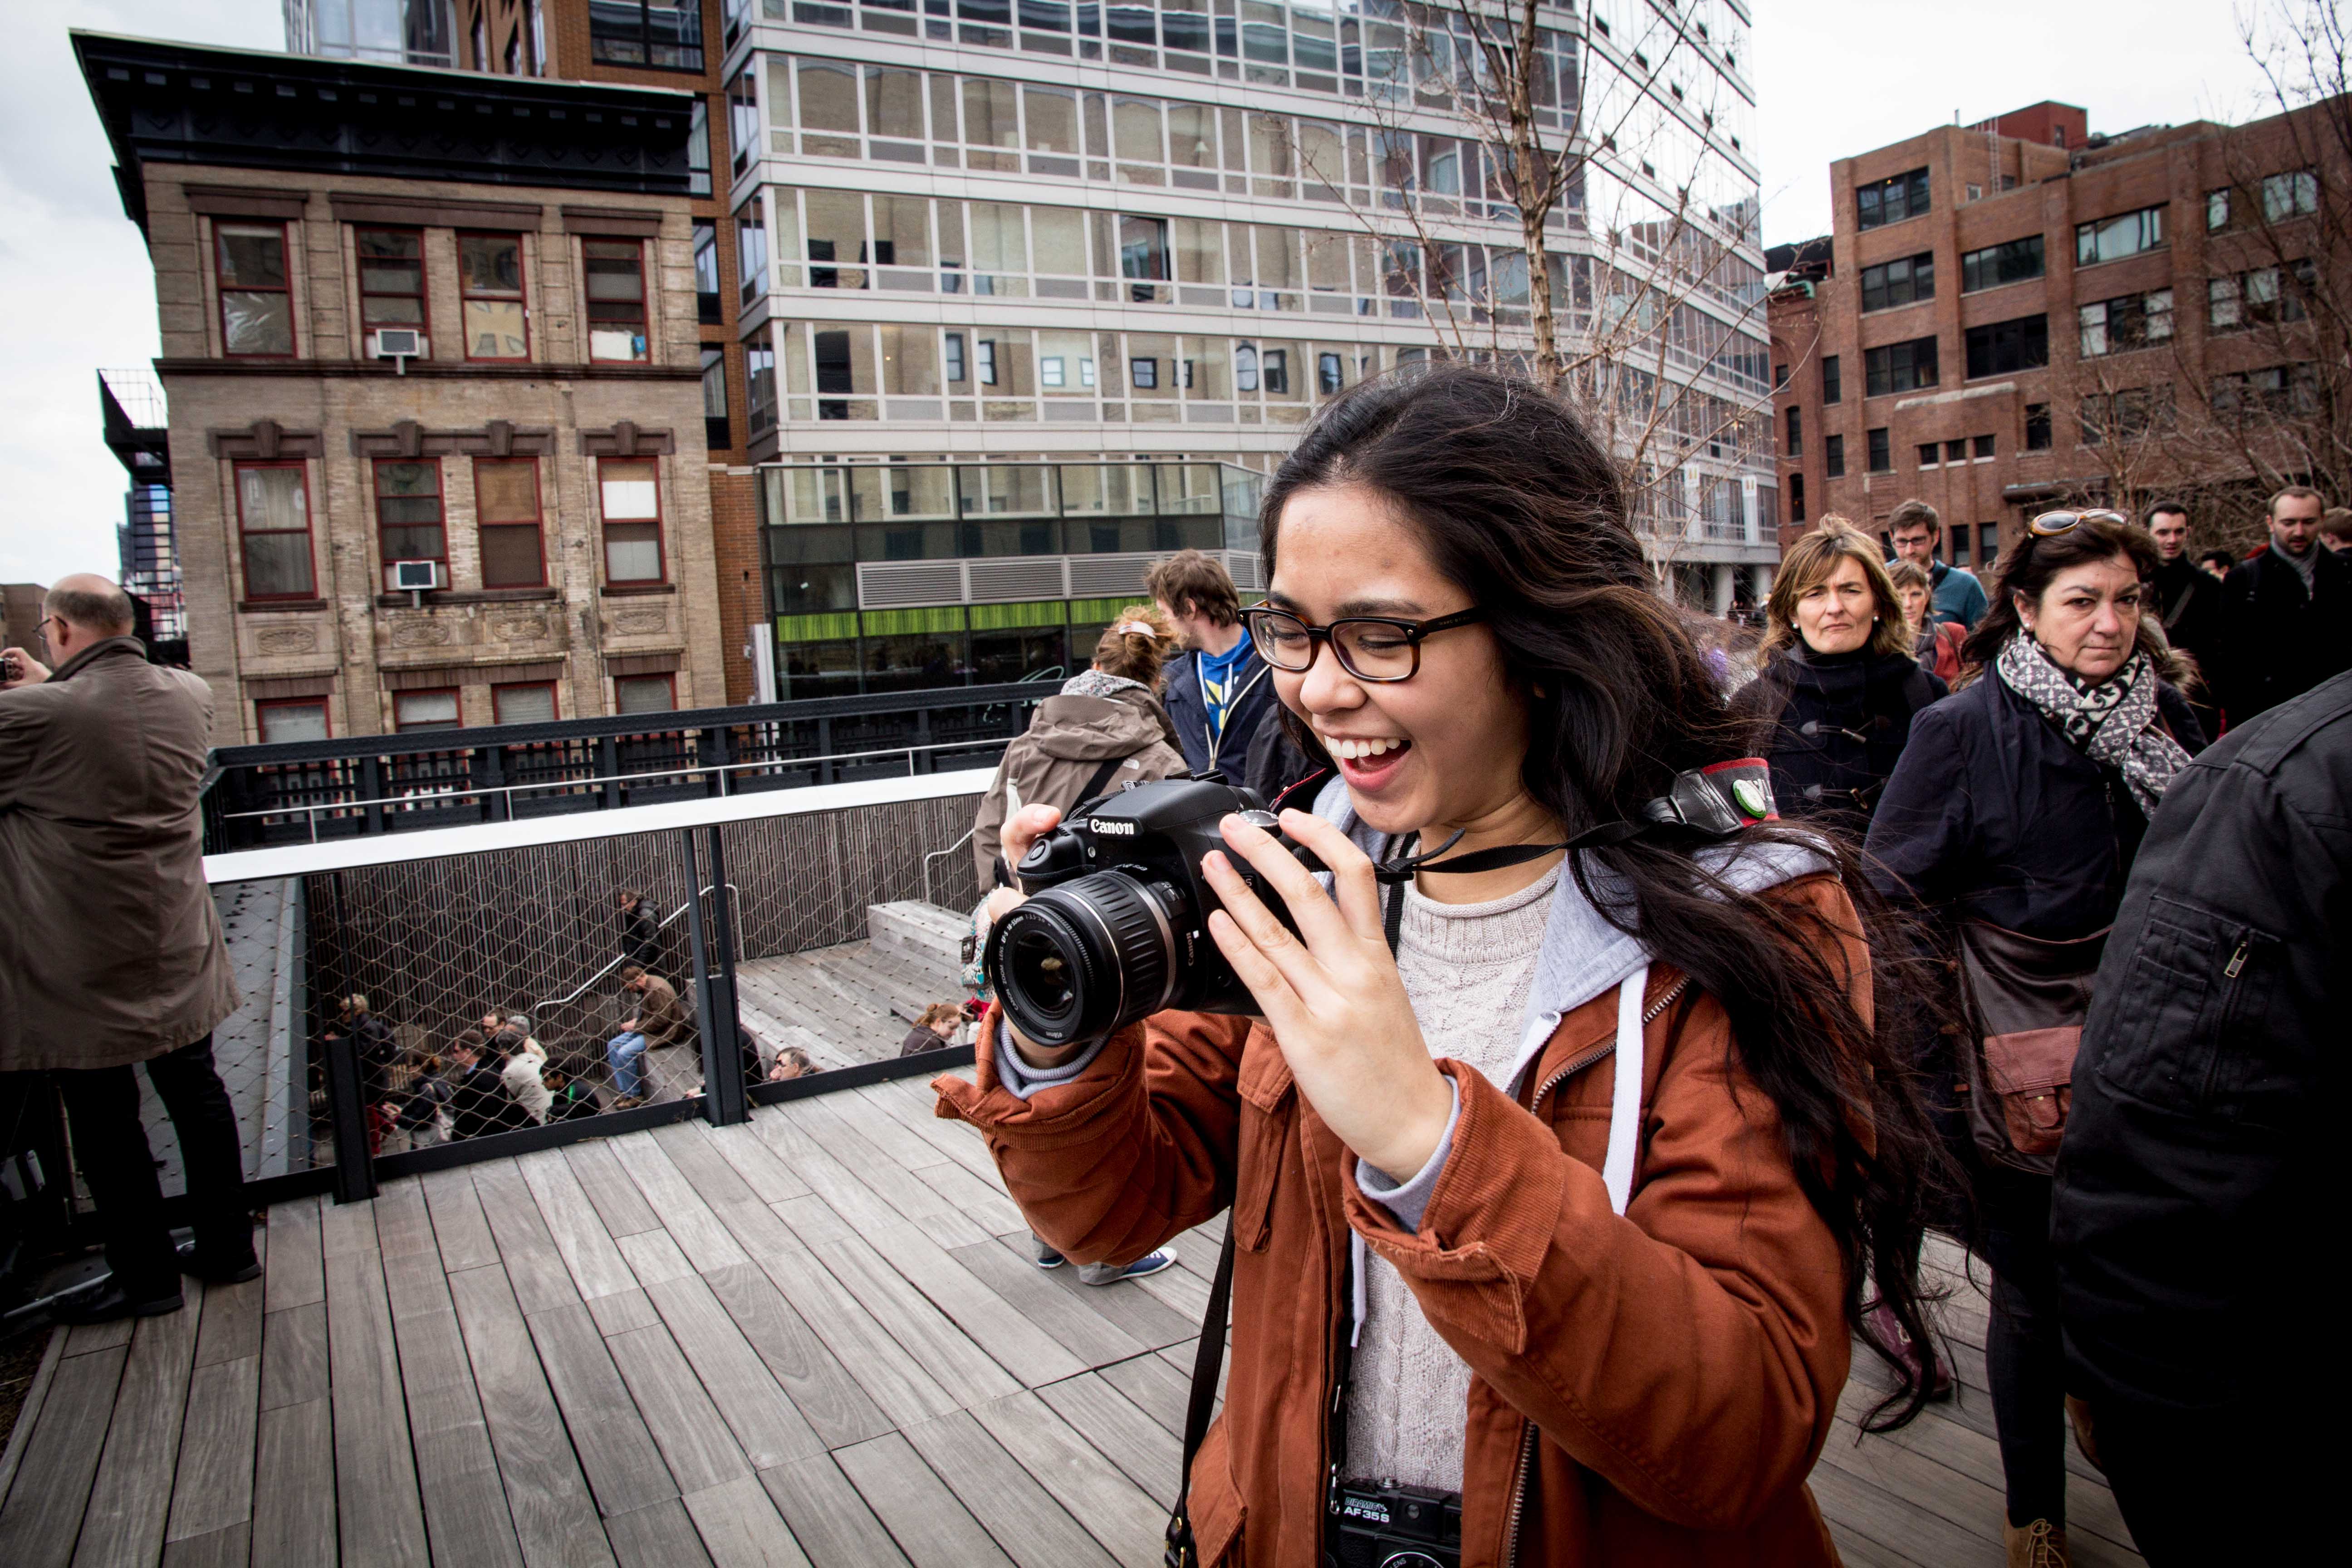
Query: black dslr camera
1116,926
1386,1524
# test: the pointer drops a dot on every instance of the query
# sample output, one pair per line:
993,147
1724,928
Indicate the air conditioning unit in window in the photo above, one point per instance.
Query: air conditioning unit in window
398,345
415,576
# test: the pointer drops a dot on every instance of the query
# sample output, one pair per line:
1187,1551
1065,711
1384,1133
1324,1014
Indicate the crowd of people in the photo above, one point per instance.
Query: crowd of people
2034,953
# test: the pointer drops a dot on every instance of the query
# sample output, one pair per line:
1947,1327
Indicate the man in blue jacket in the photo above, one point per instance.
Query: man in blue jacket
1917,534
1218,691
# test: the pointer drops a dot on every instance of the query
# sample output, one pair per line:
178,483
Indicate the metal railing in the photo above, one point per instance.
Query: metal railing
936,854
311,791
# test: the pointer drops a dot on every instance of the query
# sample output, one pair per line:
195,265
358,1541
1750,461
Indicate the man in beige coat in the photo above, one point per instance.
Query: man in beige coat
111,953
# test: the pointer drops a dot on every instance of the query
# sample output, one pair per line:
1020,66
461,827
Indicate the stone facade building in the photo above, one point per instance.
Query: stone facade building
2019,314
539,457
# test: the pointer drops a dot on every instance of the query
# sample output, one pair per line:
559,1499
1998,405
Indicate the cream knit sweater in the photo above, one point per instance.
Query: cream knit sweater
1468,969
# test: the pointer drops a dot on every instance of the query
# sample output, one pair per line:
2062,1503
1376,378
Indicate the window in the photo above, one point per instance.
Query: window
706,273
1834,456
2258,299
1796,498
751,249
1927,451
257,308
1961,537
1276,372
1989,540
1899,283
2290,196
2002,348
424,710
760,381
630,490
2134,321
1796,433
698,151
2217,210
2111,240
2011,261
489,283
987,347
664,34
2130,415
716,433
955,356
523,702
1832,388
1891,200
1955,451
2279,389
392,277
645,693
2037,426
505,512
615,270
290,719
408,514
273,523
1984,448
1882,455
1328,372
1898,367
743,119
1780,376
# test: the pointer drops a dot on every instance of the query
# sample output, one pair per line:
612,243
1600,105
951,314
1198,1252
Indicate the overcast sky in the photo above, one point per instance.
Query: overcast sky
1836,78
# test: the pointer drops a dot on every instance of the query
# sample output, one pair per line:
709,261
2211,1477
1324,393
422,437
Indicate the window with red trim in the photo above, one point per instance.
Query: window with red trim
629,490
283,720
256,303
645,693
491,287
408,517
506,510
615,270
523,702
425,710
392,277
273,527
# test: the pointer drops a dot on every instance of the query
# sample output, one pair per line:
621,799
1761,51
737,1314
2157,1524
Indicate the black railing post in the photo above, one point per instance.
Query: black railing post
489,764
824,751
715,758
717,1063
722,1063
608,764
371,790
354,1167
920,759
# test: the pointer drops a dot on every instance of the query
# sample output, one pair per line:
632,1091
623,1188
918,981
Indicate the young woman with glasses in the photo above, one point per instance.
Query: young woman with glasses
2016,810
1559,1176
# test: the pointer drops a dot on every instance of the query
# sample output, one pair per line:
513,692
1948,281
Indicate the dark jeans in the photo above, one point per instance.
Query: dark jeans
110,1147
2226,1486
2025,1361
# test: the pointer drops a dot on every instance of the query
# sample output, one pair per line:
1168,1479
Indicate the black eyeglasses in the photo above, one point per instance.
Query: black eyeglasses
1369,648
2051,524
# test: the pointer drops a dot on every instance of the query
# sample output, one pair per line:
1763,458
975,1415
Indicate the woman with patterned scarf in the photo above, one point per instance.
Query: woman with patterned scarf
2019,804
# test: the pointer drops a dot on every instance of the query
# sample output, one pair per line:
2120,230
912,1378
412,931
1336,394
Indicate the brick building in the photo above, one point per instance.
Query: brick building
2018,313
539,458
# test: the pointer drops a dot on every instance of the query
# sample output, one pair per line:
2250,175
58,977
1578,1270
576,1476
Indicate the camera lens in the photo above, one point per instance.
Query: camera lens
1082,960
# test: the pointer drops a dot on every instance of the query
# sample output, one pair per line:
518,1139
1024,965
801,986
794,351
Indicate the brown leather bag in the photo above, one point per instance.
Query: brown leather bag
2027,999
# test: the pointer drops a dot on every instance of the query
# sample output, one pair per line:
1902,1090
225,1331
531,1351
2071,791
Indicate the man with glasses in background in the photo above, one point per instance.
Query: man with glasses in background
2282,622
112,954
1916,532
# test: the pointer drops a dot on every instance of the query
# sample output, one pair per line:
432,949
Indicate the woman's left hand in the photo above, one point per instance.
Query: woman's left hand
1332,994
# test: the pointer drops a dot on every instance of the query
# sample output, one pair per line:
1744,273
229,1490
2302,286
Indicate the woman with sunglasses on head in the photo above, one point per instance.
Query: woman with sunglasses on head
1838,682
1564,1158
2011,822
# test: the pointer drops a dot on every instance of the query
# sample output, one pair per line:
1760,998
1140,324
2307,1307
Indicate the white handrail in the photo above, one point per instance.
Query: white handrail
537,1008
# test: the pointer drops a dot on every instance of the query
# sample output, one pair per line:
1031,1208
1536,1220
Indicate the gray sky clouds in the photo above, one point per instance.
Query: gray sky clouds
1836,78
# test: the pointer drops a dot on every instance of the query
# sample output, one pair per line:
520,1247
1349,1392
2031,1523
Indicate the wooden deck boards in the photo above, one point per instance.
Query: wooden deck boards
817,1340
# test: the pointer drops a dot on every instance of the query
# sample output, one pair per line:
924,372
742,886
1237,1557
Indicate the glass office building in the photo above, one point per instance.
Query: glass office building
1029,289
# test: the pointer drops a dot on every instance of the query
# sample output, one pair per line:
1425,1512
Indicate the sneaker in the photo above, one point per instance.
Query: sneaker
110,1302
628,1102
1112,1273
233,1274
1049,1259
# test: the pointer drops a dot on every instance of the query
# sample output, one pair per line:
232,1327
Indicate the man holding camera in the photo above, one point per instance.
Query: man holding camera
115,955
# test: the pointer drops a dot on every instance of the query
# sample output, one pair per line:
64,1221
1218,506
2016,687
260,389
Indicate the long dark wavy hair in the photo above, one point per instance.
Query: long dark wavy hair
1521,508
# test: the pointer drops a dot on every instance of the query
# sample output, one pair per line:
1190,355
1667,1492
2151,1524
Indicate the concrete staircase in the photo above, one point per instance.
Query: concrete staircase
919,931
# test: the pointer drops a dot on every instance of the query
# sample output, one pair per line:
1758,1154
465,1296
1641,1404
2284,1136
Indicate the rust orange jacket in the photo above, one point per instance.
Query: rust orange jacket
1648,1389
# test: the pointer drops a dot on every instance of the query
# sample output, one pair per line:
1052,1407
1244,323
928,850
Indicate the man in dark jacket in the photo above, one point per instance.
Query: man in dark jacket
2198,1181
2284,613
1218,691
479,1101
640,932
2188,602
110,954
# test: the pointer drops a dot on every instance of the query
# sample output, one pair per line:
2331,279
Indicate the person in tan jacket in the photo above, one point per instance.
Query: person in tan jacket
1556,1174
1104,729
111,952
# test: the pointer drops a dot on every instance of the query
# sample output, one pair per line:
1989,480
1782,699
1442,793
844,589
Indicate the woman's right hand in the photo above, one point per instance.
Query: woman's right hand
1021,829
